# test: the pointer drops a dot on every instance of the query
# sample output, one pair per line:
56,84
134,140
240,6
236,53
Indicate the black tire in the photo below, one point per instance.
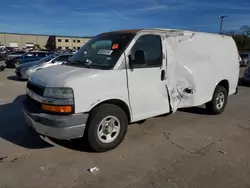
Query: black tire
2,68
212,107
96,116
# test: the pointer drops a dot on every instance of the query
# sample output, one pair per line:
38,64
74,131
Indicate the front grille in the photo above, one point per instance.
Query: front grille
36,105
36,89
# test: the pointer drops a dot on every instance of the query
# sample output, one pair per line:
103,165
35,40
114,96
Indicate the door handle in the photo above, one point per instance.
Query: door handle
163,75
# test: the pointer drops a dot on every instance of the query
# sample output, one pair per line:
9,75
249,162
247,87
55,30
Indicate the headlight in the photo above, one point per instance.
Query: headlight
59,93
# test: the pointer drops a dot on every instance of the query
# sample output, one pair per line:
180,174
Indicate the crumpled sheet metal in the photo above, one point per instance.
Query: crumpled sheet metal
180,81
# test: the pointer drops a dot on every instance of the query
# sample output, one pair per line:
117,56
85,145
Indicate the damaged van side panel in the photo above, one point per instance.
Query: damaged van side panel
197,62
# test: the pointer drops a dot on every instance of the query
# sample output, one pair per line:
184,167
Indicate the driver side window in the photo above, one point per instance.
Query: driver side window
146,52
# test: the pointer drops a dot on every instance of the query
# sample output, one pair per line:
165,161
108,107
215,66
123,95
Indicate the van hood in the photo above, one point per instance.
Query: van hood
58,76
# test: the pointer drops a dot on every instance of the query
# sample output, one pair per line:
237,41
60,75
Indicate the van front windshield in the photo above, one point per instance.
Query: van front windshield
101,52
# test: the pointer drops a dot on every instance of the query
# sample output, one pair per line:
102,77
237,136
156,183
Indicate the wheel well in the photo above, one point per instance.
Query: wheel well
120,104
225,84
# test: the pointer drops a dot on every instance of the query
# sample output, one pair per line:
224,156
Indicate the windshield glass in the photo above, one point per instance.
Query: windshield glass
48,58
103,51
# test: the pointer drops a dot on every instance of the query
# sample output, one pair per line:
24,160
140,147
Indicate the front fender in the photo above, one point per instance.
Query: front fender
96,88
99,101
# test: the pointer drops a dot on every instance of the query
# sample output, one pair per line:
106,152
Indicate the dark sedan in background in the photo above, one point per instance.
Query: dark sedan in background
26,57
8,55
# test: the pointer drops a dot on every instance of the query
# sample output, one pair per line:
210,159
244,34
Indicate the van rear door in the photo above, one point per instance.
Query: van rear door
147,77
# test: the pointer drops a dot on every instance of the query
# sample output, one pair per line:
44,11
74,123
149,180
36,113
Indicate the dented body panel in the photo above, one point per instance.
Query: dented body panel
197,63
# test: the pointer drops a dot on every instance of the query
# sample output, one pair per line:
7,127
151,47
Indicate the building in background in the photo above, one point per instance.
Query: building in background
21,41
64,43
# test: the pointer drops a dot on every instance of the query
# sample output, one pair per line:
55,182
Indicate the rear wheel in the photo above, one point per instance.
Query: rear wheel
218,102
107,127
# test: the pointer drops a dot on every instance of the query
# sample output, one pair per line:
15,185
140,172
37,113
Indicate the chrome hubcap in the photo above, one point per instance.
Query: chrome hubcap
108,129
220,100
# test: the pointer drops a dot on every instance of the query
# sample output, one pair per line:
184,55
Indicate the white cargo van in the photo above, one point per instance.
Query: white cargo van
126,76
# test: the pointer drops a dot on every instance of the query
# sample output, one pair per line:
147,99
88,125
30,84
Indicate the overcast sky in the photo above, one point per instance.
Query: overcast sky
90,17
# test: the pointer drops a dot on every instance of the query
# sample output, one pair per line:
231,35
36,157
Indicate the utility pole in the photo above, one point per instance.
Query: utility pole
221,22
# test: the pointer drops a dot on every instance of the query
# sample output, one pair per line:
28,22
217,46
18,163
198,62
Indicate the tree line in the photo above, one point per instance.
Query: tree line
242,38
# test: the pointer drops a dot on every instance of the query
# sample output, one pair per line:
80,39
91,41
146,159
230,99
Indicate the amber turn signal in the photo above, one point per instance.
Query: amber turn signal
60,109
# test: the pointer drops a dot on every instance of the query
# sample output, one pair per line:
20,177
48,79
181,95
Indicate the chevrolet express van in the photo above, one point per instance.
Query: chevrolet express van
122,77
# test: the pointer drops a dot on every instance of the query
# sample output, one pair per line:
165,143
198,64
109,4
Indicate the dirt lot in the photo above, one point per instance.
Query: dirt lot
187,149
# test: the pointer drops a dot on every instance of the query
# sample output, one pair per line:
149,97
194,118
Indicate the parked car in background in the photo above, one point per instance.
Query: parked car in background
25,70
27,57
11,49
3,54
245,59
13,55
2,46
246,77
28,49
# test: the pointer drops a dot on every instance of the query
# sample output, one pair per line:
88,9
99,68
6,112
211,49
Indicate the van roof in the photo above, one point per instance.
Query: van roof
139,30
162,30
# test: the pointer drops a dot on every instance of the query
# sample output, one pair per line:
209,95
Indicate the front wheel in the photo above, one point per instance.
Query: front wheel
16,63
107,127
218,102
